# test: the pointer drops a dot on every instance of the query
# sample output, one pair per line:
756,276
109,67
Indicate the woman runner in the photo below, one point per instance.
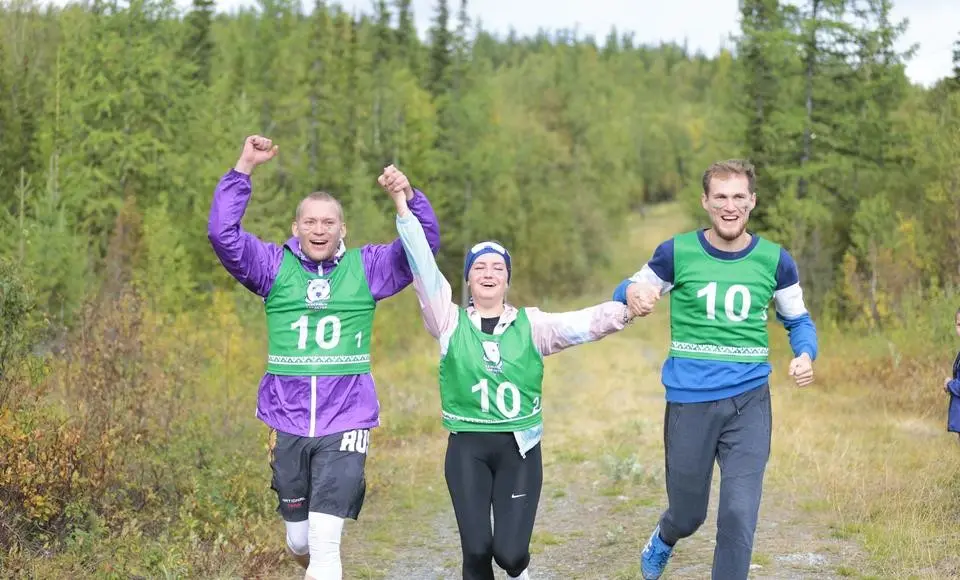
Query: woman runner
491,375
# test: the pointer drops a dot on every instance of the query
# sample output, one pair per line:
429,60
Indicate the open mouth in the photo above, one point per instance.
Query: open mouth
488,284
729,218
318,244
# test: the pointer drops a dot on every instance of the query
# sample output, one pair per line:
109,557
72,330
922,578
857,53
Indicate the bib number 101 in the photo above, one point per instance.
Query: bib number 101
331,322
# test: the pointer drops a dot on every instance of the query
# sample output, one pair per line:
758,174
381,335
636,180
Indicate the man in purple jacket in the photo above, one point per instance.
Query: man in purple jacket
317,395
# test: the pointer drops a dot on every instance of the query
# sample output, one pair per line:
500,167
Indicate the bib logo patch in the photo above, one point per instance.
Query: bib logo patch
491,356
318,293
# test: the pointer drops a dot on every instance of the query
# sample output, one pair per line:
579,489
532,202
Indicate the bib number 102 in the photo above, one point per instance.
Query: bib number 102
503,389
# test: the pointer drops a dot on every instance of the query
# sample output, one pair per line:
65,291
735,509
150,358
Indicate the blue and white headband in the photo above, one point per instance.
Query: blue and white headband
485,248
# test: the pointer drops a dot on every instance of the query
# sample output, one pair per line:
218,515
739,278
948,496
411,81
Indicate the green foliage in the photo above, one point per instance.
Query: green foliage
441,41
545,143
166,275
20,331
830,120
198,46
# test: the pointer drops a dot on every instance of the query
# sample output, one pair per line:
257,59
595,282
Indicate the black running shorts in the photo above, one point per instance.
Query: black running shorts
319,474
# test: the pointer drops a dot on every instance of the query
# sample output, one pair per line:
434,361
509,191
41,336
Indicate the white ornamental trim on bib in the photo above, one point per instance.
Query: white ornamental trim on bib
744,351
325,360
453,417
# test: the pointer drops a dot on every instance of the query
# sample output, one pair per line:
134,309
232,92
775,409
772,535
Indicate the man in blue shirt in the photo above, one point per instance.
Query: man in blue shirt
721,281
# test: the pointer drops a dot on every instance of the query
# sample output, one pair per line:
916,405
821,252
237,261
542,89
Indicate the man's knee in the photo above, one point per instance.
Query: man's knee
737,518
325,531
298,538
324,539
689,525
298,543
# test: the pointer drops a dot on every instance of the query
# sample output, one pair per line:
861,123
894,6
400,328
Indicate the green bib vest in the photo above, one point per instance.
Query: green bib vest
319,325
491,382
718,308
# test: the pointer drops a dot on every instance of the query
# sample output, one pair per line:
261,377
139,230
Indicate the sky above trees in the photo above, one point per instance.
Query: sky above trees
706,24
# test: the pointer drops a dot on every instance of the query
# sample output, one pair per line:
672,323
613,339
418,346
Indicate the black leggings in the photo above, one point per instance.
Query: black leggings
484,469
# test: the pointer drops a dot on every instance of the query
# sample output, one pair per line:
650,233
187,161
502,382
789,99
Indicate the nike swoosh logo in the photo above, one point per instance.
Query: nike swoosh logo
515,496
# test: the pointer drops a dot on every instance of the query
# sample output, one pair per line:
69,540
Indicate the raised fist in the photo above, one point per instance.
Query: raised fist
256,150
395,183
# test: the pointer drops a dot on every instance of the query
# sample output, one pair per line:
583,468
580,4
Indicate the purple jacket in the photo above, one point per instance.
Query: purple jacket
953,410
308,406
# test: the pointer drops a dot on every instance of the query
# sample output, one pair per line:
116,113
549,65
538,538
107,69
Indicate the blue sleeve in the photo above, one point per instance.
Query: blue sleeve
787,272
802,333
662,265
801,329
662,261
954,387
620,292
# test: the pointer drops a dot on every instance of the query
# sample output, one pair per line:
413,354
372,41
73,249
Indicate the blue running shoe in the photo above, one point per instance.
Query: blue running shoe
655,556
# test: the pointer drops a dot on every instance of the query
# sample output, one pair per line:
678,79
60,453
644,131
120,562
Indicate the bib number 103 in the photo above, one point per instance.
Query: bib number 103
328,324
729,301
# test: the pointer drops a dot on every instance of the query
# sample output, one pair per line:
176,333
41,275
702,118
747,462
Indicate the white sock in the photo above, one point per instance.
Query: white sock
325,531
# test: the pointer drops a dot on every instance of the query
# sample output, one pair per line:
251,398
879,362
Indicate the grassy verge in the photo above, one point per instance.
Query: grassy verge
867,449
136,453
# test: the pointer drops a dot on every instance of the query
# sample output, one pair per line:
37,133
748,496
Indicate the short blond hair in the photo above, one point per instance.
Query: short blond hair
724,169
319,196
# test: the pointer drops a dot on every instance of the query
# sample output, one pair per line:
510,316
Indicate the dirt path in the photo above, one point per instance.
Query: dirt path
584,531
603,487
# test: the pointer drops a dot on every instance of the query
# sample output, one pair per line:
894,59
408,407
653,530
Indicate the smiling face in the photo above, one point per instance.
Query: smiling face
488,279
729,201
319,227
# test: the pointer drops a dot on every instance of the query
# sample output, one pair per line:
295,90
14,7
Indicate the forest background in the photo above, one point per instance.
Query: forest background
129,358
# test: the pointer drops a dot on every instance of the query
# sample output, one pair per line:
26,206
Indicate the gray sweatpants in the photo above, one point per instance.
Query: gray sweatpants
736,433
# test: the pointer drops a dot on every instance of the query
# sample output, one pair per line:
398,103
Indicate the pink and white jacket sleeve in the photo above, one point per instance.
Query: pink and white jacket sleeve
439,313
556,331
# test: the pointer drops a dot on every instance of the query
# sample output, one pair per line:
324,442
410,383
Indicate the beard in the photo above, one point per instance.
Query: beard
728,232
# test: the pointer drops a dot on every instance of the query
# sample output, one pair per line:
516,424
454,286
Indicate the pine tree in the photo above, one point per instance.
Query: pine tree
762,65
407,43
611,45
198,45
384,37
319,76
956,63
7,168
441,49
